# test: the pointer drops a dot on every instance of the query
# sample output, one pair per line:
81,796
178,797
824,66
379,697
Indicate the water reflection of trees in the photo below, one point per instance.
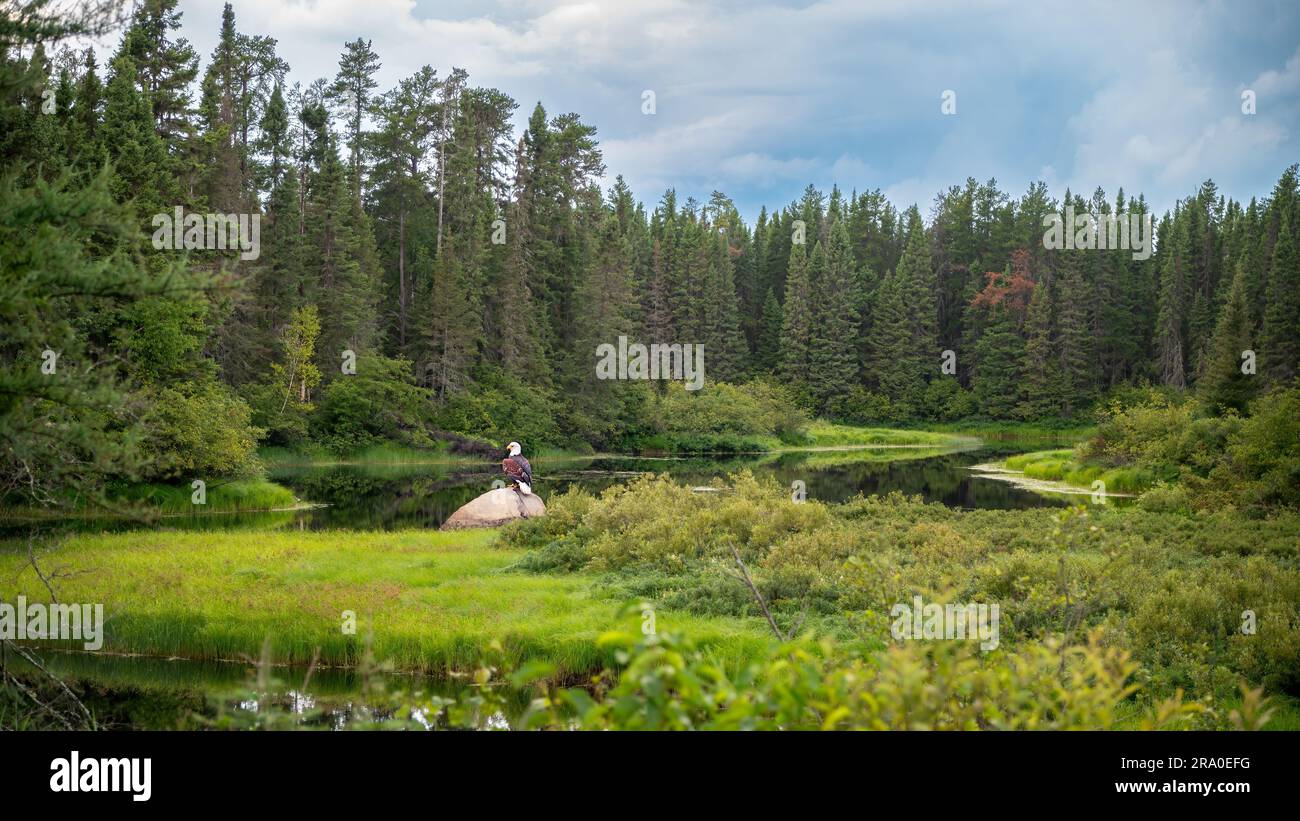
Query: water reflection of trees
358,498
388,496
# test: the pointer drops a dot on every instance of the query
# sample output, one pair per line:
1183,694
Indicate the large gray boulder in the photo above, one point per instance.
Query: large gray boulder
494,508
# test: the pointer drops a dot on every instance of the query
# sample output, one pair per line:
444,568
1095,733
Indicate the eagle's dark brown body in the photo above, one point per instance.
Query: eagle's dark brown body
518,469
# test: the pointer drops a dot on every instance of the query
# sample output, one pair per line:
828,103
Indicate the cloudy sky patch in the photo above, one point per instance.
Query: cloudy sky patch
758,99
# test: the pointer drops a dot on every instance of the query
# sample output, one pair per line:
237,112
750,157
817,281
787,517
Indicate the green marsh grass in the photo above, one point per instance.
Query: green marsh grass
153,498
830,434
434,601
1062,465
222,496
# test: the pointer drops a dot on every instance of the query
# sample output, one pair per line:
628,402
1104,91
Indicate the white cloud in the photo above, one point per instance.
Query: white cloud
1276,86
1167,126
759,98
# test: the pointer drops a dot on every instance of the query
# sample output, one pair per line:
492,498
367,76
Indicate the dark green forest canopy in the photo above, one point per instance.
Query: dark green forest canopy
470,272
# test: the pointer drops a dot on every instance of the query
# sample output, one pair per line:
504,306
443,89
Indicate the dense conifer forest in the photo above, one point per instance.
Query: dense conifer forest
470,271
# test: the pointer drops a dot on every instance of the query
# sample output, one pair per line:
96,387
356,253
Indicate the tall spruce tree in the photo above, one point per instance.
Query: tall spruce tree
1074,337
767,355
1279,337
165,67
1172,306
890,345
832,354
351,94
1223,384
1041,367
998,355
796,327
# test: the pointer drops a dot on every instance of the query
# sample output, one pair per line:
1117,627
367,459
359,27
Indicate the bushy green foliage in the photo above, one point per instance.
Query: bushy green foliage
67,265
1167,436
667,684
282,401
720,417
162,340
1260,467
946,400
943,400
1250,463
285,421
201,431
756,407
864,406
503,410
1054,578
1166,498
379,403
655,522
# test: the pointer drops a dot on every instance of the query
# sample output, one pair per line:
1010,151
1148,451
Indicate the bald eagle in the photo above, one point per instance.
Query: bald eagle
518,469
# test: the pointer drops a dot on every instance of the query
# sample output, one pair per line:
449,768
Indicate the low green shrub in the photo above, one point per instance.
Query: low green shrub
1165,498
667,684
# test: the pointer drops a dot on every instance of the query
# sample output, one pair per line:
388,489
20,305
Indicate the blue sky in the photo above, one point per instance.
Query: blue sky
758,99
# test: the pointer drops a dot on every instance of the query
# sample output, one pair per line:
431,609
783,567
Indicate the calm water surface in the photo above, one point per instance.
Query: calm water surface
386,497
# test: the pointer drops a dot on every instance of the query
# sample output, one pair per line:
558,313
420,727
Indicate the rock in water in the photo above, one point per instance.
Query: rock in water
496,507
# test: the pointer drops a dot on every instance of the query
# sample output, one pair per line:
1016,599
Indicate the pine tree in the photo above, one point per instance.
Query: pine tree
452,323
1040,369
767,356
779,243
998,356
723,339
1253,257
87,109
1223,385
472,166
218,155
917,293
609,311
832,355
796,327
402,149
1280,336
280,282
1171,313
43,135
275,142
516,328
916,278
339,247
165,68
448,105
655,310
351,93
890,345
1074,337
128,135
1119,312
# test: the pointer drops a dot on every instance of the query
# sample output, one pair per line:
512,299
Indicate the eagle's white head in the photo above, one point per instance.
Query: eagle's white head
513,449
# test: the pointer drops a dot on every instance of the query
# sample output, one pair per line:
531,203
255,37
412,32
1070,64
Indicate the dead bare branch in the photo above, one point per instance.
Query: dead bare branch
762,603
